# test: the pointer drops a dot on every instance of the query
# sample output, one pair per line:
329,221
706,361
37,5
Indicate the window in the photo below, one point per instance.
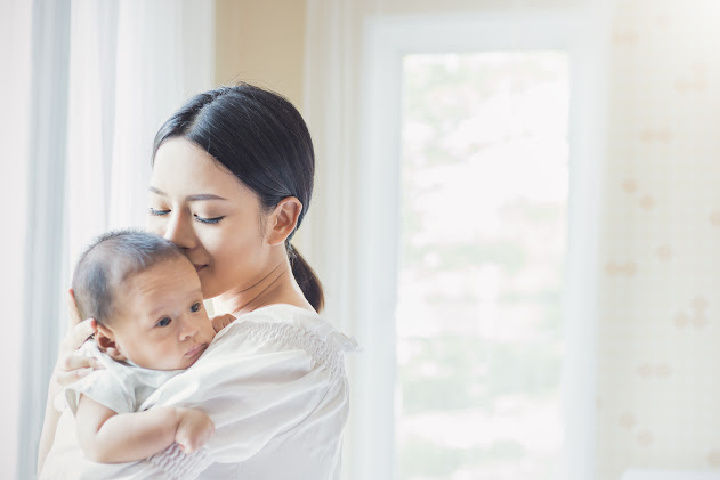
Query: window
481,143
480,337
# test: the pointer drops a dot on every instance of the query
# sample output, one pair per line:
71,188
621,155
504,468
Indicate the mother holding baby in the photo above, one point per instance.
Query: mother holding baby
232,180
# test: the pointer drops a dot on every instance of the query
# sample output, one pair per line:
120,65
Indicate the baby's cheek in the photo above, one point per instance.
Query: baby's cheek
208,332
169,355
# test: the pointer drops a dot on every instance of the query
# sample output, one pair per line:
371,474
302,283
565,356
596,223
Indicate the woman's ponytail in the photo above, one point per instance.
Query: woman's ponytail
307,279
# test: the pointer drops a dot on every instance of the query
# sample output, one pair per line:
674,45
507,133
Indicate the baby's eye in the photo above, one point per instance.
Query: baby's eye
196,307
163,322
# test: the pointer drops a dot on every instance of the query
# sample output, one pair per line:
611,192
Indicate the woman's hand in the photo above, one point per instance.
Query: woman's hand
222,321
70,365
194,429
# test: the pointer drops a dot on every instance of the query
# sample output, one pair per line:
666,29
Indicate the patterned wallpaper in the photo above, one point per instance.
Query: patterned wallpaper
659,332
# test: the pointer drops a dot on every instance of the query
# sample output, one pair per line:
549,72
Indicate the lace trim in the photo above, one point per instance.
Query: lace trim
179,466
325,351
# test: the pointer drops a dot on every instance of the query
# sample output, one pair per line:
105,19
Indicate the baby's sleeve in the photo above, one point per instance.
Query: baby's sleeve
109,386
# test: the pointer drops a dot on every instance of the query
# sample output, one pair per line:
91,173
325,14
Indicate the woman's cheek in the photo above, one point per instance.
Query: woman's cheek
154,224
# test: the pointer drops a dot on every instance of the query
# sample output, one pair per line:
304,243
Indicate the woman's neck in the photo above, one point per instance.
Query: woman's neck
277,285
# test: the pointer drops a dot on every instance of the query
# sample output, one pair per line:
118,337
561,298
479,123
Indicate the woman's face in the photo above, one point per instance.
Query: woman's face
203,208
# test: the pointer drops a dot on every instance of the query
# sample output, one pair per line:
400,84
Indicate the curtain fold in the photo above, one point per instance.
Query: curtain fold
105,74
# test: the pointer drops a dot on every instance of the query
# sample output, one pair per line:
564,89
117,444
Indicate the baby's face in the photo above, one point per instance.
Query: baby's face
160,321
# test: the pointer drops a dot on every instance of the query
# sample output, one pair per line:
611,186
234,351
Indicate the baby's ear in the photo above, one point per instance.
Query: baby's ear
104,338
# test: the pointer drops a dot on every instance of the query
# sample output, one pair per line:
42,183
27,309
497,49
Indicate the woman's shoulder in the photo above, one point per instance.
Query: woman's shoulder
287,323
280,328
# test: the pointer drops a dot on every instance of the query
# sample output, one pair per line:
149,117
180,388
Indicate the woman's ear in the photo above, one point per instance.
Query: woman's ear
283,220
105,338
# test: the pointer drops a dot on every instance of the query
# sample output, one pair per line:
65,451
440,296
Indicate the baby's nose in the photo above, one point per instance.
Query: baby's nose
188,330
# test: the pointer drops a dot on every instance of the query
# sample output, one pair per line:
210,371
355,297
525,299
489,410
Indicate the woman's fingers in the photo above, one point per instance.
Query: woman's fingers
76,361
73,312
70,365
79,333
66,378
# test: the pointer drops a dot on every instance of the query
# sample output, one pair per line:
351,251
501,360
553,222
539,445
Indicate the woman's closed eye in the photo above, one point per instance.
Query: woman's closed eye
196,307
163,322
157,212
212,220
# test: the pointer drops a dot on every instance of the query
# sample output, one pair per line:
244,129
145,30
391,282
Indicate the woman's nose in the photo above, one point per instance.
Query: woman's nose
179,231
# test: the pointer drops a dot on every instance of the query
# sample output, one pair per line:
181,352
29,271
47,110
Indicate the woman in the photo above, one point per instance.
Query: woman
232,180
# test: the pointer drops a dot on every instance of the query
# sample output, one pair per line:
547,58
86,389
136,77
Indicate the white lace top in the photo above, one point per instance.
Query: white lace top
273,382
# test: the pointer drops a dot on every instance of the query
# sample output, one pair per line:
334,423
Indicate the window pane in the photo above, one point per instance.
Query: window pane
479,322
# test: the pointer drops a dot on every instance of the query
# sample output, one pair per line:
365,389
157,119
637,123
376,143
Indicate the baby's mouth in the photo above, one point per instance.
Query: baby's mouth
196,350
199,267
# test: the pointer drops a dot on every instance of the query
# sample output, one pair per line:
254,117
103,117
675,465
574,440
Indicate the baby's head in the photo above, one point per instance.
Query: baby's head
146,298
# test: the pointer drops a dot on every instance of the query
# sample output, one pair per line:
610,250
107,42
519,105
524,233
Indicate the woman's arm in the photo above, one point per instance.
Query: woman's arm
68,368
108,437
47,437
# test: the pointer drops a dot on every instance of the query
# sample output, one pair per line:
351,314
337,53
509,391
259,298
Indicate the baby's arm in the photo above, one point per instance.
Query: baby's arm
109,437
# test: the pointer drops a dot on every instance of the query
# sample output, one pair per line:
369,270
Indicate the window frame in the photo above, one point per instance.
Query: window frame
386,39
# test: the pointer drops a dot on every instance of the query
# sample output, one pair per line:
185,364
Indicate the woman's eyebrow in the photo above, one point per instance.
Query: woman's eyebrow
190,198
203,196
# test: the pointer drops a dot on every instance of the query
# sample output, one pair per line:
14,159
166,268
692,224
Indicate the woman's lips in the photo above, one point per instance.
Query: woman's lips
196,350
199,267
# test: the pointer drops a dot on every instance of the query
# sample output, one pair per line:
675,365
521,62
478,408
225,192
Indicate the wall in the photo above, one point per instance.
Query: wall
261,42
659,287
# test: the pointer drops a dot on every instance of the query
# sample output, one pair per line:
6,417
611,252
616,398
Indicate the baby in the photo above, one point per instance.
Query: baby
146,299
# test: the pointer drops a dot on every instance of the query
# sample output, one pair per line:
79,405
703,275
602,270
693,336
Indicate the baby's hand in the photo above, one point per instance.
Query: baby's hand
222,321
194,429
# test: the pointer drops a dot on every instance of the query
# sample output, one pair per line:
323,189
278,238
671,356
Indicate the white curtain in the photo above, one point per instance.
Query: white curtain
94,113
15,21
132,64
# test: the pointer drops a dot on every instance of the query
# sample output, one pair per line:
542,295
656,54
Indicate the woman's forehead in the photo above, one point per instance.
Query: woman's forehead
181,168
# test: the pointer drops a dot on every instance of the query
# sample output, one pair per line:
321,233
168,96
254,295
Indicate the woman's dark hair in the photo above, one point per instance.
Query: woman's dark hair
261,138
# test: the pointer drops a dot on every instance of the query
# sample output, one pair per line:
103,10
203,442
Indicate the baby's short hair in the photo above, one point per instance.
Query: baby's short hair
108,261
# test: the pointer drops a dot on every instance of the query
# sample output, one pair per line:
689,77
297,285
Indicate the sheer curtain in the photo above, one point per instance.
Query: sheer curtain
130,64
15,21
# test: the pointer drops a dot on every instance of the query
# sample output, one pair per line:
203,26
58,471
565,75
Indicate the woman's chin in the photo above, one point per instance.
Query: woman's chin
208,289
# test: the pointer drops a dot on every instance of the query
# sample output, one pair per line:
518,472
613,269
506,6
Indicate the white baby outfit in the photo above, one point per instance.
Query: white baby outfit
122,387
274,384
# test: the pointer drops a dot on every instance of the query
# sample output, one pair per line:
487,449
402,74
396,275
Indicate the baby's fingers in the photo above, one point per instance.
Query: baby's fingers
187,445
222,321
